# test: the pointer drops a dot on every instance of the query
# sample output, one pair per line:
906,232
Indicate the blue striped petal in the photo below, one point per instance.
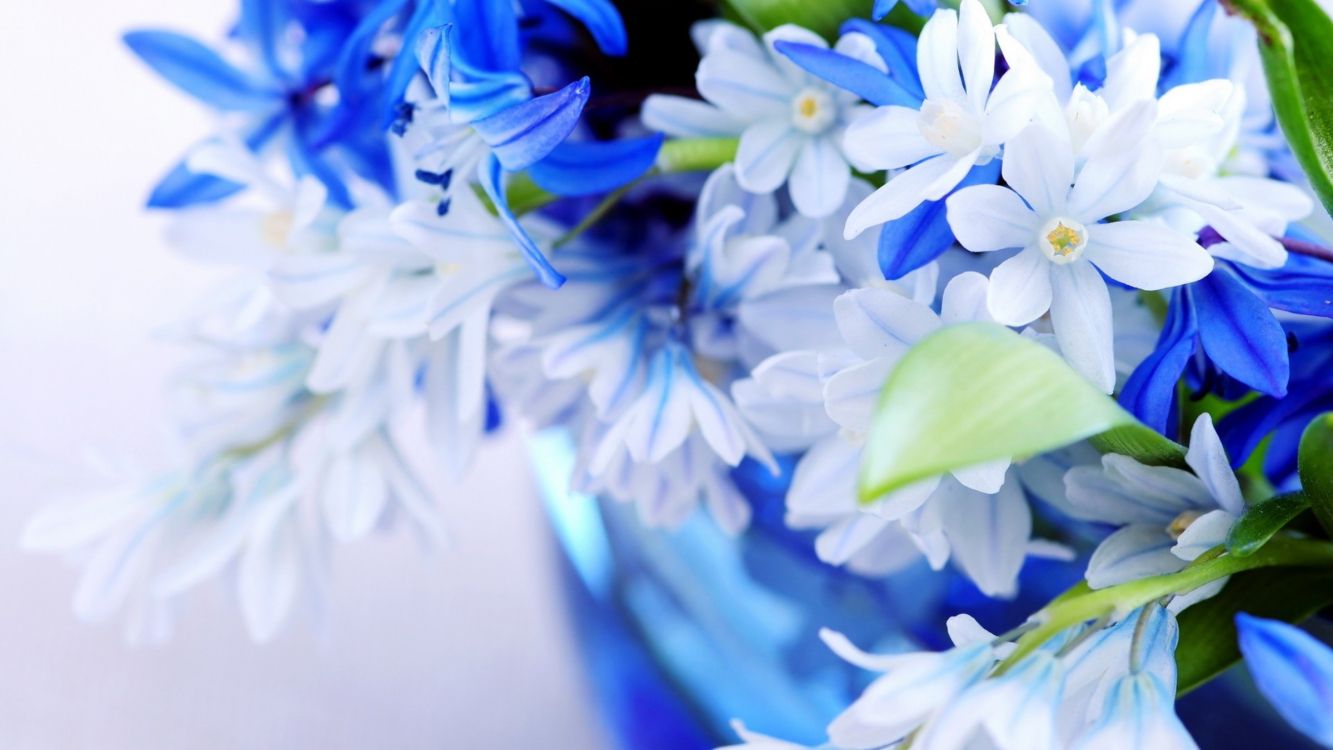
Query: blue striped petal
848,73
602,20
1240,334
428,28
525,133
201,72
491,172
1293,670
922,235
487,37
898,50
1150,392
595,166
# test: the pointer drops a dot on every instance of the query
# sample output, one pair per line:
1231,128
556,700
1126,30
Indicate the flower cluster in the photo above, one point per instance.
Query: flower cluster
437,219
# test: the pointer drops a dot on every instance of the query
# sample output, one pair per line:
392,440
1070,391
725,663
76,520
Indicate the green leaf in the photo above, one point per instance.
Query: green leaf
1208,629
1315,463
1142,443
978,392
1262,520
1296,44
820,16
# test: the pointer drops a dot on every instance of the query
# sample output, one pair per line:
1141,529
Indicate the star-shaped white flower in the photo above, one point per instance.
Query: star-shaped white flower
1064,247
961,123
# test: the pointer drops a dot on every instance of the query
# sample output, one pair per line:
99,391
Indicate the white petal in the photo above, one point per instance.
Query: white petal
964,299
269,572
746,87
1123,132
354,495
877,322
840,542
937,57
823,485
990,217
717,420
1021,95
1036,46
988,533
820,178
886,138
661,417
1131,73
1039,165
1209,460
850,396
930,180
1130,554
1111,183
766,154
1189,113
1147,255
976,51
683,117
1203,534
1020,288
792,33
1081,317
987,477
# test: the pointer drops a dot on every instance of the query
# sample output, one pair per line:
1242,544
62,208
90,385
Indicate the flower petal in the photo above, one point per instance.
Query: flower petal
1147,255
1020,288
989,217
1081,317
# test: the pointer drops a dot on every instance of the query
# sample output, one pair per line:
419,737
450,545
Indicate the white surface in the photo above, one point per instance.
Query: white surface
468,648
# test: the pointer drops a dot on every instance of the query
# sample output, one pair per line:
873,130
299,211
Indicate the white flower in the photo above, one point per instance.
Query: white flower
1063,244
961,123
789,121
1167,516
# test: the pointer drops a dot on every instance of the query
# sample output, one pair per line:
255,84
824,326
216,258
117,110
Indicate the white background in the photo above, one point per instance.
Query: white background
466,648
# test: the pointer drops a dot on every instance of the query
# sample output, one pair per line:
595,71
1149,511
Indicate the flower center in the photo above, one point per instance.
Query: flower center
276,228
1063,240
947,125
1182,522
813,110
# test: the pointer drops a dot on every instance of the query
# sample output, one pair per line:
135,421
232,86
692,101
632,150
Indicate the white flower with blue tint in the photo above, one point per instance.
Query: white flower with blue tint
790,122
1065,247
1167,516
961,123
1293,670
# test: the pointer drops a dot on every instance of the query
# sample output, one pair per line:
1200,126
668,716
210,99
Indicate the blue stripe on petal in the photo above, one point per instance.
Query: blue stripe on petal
200,72
922,235
1150,392
484,96
525,133
487,36
603,22
490,172
848,73
595,166
1240,334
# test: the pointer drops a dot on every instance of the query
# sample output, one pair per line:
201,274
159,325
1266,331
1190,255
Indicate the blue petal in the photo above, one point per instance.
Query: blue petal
1193,63
487,36
258,26
1245,428
882,8
484,96
429,14
1150,392
898,50
522,134
848,73
1240,334
923,235
200,72
182,187
307,159
595,166
603,22
1303,285
350,72
490,173
1293,671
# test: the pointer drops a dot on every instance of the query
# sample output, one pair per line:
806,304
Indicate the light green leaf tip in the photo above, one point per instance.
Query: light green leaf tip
979,392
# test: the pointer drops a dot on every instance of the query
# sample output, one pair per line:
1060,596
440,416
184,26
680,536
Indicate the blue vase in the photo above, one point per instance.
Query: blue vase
685,630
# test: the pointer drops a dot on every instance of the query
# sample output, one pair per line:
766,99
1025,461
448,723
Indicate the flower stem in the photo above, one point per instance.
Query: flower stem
1117,601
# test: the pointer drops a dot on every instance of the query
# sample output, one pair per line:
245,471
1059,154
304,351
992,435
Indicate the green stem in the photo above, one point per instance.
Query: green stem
1117,601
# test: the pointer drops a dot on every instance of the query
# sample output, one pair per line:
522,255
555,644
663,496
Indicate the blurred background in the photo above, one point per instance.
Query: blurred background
467,647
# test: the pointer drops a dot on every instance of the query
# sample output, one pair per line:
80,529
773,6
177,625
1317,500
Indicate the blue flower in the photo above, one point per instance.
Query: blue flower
1293,671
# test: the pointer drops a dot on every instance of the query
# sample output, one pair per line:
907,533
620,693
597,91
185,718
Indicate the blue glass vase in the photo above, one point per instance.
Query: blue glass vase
685,630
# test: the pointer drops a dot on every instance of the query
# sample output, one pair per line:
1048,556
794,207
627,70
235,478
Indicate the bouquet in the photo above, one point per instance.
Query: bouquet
968,284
